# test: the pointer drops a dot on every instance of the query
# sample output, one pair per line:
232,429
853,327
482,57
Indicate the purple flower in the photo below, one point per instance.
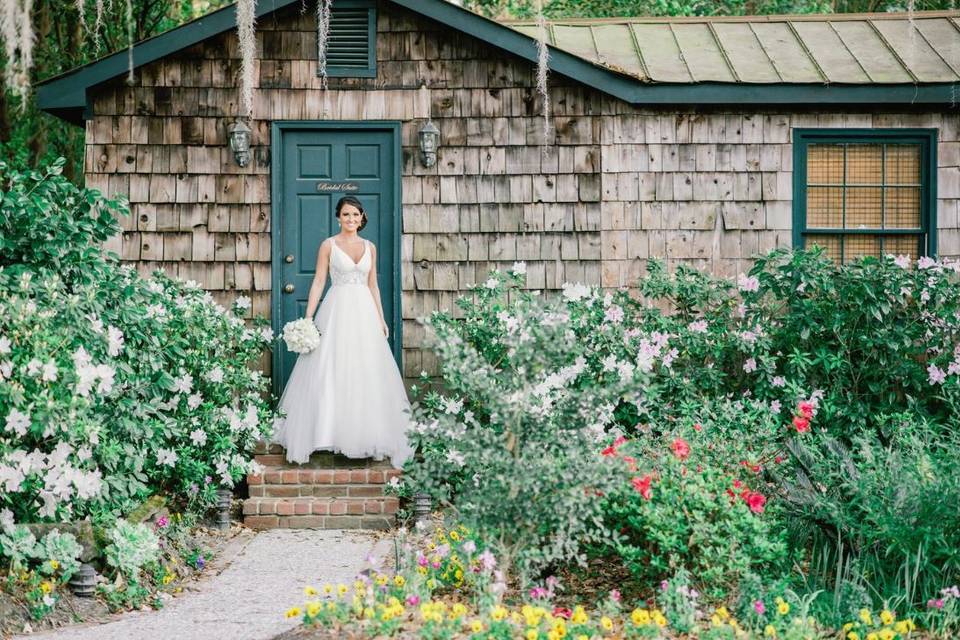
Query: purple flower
163,522
413,600
469,546
759,607
538,592
750,365
200,563
663,585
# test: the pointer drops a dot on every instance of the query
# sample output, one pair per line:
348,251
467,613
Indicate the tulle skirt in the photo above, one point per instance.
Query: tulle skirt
346,395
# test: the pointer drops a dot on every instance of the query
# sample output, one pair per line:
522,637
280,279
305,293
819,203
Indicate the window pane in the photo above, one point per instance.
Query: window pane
825,164
864,207
830,244
902,245
825,207
903,164
864,164
859,245
903,207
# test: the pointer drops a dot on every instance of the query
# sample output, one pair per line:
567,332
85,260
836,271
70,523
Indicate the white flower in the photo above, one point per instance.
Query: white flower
491,283
198,437
183,384
33,367
452,406
394,483
614,314
519,268
157,311
194,400
775,406
748,283
18,422
697,326
778,381
301,335
926,262
215,374
750,365
191,284
115,341
575,292
456,457
242,302
80,357
167,457
49,371
266,334
625,369
902,261
936,374
6,520
4,345
106,373
6,369
154,287
610,363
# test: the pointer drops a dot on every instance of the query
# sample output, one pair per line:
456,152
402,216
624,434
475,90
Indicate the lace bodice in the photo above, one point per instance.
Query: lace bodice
343,270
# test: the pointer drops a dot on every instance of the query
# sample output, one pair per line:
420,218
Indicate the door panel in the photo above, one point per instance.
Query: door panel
365,159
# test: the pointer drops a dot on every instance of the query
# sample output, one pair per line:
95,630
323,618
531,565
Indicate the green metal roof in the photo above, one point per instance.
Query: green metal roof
860,49
763,60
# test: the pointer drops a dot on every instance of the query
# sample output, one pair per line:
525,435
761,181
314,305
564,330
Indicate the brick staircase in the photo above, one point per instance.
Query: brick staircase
328,492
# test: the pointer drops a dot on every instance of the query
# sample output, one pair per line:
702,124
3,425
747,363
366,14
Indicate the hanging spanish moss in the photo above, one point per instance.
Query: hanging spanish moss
246,17
98,22
17,31
543,57
81,8
323,32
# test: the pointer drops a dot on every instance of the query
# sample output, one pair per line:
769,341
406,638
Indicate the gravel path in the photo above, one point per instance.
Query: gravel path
246,601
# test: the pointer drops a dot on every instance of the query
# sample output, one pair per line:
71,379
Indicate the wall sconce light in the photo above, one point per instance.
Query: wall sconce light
429,142
240,142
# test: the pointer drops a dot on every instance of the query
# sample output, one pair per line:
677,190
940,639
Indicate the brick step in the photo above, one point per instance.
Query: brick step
287,475
316,490
321,506
319,522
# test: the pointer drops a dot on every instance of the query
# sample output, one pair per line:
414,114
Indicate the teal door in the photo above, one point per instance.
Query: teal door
314,165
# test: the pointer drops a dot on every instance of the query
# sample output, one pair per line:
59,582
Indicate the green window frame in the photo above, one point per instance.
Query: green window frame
848,191
346,40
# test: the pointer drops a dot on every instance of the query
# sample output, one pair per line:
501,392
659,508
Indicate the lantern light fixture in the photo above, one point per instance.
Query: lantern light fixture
240,135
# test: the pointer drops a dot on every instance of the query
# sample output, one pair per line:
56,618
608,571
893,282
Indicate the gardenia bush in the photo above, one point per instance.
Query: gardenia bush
113,387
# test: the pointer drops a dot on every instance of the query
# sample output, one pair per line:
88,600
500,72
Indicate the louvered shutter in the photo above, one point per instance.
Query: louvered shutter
351,44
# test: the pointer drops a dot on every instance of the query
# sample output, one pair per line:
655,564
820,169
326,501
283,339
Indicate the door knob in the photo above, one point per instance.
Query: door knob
288,288
288,259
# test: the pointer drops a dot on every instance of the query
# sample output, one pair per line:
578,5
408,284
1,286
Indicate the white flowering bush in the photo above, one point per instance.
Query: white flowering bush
113,387
301,335
532,388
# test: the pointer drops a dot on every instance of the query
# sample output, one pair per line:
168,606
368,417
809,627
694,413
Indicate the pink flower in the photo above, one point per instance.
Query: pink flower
802,424
935,604
748,283
538,592
698,427
562,612
413,600
487,560
759,607
422,560
680,448
163,522
615,595
805,408
643,486
756,501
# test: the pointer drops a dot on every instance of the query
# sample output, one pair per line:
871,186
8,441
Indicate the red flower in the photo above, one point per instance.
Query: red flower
680,448
643,485
802,424
562,612
806,409
778,459
697,427
756,501
621,440
609,451
737,484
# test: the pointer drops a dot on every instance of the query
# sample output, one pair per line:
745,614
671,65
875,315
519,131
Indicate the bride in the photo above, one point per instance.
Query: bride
347,394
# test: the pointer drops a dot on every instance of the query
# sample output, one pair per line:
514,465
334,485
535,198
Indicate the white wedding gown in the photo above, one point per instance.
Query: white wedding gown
346,395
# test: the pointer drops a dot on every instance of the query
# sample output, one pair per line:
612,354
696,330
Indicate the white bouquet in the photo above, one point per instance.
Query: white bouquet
301,335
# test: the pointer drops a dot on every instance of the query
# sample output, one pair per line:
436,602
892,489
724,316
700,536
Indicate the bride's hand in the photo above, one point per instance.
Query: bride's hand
386,332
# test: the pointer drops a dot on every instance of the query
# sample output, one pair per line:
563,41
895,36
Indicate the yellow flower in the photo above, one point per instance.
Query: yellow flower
431,584
770,631
866,617
579,615
716,621
399,580
783,608
658,618
454,536
872,636
640,617
583,636
422,571
476,626
887,617
723,613
342,590
359,586
458,610
887,634
293,612
167,578
498,613
532,634
54,564
381,580
848,626
309,591
905,626
606,623
46,586
328,588
331,605
853,635
314,608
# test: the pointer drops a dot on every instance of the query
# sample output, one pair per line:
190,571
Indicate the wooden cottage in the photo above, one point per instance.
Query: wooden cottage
703,141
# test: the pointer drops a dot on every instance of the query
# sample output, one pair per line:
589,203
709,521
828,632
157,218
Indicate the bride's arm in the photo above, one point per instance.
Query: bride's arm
375,289
319,278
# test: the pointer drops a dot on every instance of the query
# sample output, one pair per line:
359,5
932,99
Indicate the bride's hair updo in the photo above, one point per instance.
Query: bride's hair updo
356,203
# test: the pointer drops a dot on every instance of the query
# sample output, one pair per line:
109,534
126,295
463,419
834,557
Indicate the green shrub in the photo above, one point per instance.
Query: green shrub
113,387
